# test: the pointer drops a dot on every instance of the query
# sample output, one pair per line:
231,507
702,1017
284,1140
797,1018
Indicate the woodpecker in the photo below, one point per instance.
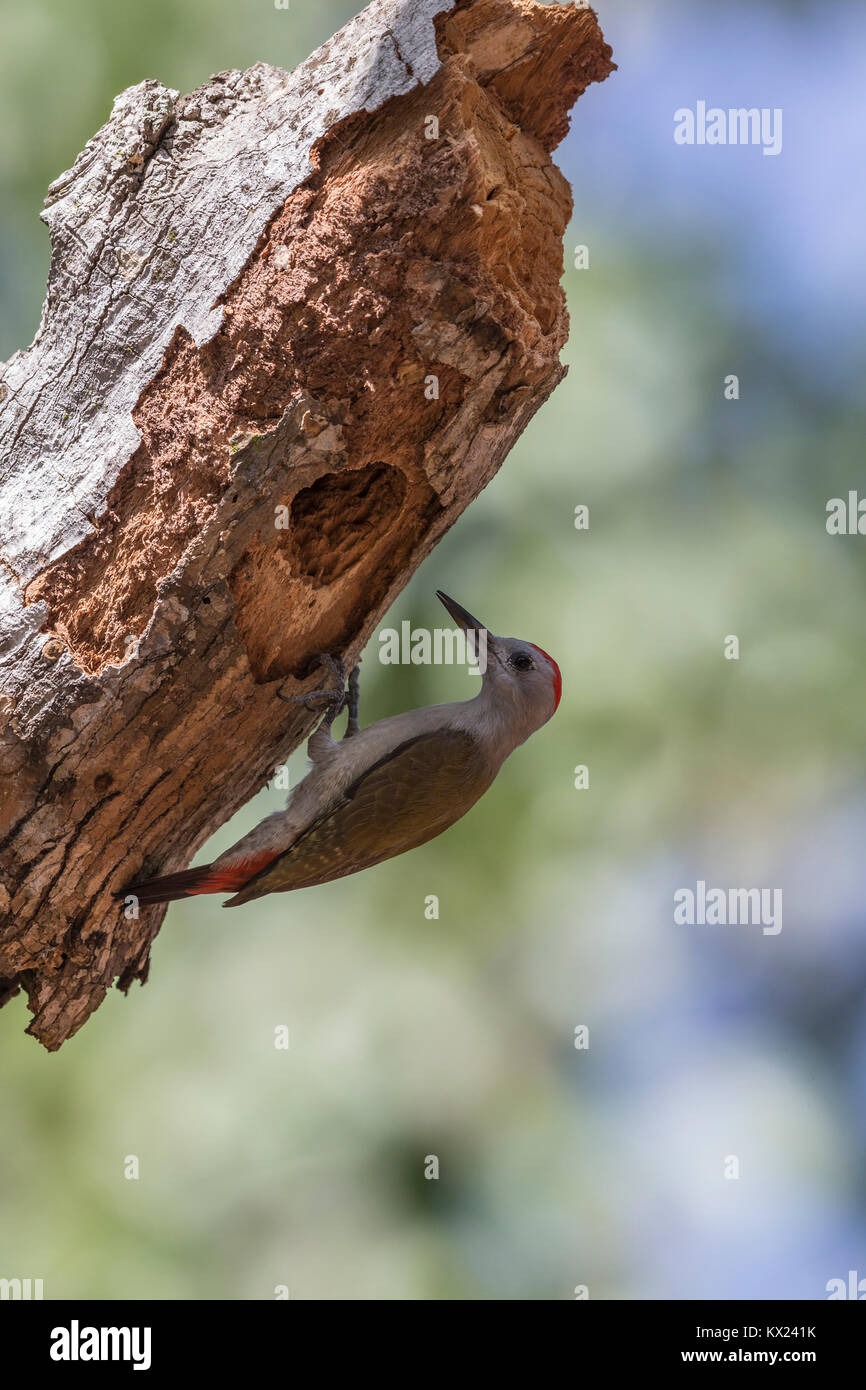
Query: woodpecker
385,789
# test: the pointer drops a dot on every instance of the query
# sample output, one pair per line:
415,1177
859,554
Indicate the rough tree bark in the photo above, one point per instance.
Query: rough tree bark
249,289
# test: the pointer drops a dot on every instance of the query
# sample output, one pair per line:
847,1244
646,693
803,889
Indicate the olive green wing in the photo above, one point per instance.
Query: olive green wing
403,800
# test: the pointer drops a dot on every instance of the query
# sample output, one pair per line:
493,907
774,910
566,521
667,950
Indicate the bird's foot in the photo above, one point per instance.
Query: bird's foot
334,697
337,697
353,699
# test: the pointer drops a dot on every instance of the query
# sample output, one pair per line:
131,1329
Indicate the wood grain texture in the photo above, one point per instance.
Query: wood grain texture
218,457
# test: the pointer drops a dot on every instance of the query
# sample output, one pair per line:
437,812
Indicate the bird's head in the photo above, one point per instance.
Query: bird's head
518,673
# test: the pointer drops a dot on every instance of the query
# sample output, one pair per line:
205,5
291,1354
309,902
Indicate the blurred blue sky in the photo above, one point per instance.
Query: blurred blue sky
785,233
557,906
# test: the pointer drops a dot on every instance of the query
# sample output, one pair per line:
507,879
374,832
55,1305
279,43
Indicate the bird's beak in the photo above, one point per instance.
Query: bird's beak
459,614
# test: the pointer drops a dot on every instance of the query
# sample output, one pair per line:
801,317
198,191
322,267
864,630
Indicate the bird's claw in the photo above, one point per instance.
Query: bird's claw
343,695
336,696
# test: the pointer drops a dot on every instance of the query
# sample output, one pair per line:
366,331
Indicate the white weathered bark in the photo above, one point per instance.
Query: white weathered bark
235,277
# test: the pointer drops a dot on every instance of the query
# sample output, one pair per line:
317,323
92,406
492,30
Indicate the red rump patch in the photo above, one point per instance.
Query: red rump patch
557,675
228,878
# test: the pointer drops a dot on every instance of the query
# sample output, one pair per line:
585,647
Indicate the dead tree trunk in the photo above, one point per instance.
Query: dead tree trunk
294,323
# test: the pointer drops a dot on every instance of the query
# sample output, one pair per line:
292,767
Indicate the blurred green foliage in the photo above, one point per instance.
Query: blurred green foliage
455,1037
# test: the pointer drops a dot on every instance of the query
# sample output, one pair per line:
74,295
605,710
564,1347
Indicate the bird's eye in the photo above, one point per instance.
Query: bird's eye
521,662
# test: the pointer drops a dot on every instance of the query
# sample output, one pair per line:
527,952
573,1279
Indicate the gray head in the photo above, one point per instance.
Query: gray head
519,674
